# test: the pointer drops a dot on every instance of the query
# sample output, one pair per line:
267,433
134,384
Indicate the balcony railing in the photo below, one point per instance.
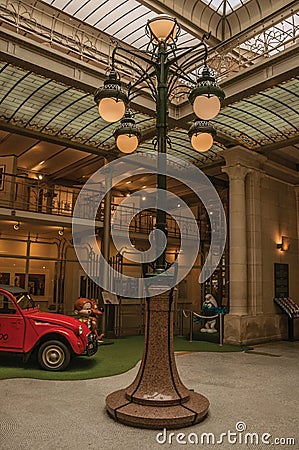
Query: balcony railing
22,193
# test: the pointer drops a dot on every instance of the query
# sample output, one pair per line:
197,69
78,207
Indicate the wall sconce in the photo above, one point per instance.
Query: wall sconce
284,245
61,231
16,226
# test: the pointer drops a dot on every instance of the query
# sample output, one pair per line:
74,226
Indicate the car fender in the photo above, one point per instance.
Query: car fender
76,343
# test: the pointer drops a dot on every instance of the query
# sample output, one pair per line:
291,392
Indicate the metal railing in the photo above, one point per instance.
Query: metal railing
31,194
189,314
86,43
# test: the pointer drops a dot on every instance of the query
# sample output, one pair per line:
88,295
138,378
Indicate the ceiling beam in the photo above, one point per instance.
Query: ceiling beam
111,154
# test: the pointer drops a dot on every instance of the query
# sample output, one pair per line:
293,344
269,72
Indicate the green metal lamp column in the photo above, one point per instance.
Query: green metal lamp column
162,128
108,318
157,398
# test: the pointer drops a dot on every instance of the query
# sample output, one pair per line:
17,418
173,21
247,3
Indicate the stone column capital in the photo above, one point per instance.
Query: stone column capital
236,172
243,156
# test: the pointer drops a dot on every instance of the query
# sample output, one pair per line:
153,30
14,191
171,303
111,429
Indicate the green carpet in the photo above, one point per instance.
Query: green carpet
109,360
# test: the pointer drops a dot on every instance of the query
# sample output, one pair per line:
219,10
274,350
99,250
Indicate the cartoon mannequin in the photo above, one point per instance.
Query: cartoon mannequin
88,313
209,311
96,312
209,308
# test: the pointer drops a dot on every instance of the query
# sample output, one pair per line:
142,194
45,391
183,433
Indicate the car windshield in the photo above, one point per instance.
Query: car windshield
24,300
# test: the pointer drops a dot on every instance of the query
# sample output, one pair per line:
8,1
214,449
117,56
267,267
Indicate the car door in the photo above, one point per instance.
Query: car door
12,325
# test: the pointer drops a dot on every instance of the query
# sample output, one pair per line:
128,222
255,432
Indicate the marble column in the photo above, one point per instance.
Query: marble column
237,238
245,171
254,243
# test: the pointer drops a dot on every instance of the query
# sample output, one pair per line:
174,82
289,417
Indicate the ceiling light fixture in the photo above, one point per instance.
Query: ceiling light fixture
127,135
111,99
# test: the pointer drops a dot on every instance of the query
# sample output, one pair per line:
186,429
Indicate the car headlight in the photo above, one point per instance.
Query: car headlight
80,330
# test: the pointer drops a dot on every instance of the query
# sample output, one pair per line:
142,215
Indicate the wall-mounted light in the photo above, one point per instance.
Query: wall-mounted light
284,245
61,231
40,176
16,226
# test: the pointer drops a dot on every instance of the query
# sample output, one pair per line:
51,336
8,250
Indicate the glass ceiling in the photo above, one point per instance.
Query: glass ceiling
49,107
39,104
125,20
268,117
225,6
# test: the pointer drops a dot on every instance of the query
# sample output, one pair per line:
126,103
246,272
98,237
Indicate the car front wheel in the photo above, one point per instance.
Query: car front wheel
54,355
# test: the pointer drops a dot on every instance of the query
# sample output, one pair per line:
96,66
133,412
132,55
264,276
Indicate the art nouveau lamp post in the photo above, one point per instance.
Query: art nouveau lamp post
157,398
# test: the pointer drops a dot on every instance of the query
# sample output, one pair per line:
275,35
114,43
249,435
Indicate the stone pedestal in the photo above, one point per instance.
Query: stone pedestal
157,398
254,329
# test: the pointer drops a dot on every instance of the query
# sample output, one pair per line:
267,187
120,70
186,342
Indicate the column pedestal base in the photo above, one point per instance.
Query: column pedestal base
157,417
157,398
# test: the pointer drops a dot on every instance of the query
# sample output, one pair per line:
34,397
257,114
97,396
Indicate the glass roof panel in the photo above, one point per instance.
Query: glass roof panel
228,5
34,102
264,118
124,20
133,32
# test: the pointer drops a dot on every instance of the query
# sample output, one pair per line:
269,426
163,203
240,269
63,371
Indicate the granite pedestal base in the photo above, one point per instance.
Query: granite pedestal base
157,398
157,417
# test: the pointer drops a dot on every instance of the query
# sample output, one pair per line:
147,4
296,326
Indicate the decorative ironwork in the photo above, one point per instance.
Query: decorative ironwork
67,37
57,33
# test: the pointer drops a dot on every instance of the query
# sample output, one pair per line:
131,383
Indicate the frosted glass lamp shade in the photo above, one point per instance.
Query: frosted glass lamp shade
111,110
127,135
163,29
127,143
207,97
201,134
205,107
111,99
202,142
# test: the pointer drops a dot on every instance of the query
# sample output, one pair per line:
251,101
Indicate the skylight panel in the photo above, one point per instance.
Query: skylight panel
222,7
125,20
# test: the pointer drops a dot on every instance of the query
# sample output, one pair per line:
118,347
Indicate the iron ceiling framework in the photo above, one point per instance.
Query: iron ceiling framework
60,113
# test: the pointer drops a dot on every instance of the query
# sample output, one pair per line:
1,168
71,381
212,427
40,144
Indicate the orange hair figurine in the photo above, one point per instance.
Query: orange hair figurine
88,313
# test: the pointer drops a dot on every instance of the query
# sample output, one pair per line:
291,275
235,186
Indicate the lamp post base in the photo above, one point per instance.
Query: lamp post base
157,398
157,417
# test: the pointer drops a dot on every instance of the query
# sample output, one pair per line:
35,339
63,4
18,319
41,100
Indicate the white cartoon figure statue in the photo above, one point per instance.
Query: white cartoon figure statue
209,308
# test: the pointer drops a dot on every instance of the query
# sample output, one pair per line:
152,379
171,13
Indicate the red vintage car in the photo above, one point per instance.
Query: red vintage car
54,338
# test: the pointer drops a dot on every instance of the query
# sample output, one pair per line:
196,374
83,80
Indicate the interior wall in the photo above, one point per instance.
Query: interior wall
279,218
41,271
